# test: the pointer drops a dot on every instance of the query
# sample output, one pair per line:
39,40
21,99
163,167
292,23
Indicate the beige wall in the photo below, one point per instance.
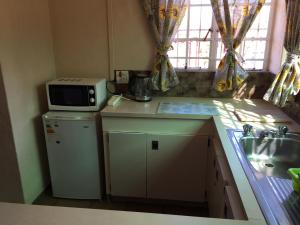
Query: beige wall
27,61
83,30
80,37
278,31
10,183
132,39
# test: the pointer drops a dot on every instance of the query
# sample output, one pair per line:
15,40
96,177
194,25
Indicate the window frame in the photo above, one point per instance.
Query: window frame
212,58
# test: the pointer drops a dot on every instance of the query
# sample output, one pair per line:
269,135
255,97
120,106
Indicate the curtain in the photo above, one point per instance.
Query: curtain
287,81
234,18
165,17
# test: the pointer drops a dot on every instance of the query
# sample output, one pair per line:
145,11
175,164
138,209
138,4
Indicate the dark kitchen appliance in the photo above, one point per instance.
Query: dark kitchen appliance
140,87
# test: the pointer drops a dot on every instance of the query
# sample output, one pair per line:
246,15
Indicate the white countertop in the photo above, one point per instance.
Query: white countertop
16,214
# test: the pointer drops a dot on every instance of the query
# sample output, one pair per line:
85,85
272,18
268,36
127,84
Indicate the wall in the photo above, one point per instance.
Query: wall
10,183
132,40
27,61
278,31
199,84
95,37
80,35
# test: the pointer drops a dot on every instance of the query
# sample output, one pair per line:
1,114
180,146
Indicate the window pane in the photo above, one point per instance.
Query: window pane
264,17
182,30
181,34
206,17
194,34
220,50
199,49
198,2
179,49
253,65
254,50
178,62
203,34
191,50
198,63
195,16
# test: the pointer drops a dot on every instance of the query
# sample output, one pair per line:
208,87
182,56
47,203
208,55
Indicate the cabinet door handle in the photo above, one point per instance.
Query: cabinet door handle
155,145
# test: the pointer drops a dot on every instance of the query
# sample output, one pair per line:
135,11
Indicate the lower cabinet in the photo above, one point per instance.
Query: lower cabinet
158,166
176,167
222,195
127,159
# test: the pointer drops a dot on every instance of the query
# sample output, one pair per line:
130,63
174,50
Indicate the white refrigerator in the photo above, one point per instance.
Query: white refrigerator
73,142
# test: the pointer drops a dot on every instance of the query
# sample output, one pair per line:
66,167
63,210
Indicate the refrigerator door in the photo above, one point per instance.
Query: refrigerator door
73,156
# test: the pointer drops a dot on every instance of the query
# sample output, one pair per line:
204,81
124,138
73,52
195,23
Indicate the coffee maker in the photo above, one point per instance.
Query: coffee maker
140,87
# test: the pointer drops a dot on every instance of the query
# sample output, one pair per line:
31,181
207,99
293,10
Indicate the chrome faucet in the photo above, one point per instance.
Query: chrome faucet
267,133
264,134
247,129
282,130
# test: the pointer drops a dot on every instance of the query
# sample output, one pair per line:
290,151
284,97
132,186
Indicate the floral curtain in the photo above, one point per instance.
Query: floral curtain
234,18
287,81
165,17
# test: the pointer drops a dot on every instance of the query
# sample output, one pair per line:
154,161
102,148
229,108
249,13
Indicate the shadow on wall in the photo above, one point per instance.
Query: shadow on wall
10,180
39,132
199,84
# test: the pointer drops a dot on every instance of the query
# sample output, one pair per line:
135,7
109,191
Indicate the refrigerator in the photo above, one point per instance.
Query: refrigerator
75,158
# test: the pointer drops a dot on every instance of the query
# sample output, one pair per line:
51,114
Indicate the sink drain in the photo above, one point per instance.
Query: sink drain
269,165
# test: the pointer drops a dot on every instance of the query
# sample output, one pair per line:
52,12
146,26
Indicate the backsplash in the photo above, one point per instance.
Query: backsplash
199,84
293,109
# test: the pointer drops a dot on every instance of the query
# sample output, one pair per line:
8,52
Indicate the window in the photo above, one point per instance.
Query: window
198,43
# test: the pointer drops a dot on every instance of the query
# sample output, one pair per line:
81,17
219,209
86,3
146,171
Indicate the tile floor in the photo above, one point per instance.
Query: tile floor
194,210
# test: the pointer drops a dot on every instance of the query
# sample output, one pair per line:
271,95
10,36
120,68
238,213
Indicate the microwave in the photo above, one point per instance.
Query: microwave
76,94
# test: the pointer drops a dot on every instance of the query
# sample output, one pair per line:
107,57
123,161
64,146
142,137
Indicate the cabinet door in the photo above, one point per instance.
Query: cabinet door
127,154
176,167
218,177
233,205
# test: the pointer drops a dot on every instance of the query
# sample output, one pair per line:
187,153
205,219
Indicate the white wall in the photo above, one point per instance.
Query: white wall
27,61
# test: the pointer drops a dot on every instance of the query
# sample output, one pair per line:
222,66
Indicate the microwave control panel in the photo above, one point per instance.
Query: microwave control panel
92,97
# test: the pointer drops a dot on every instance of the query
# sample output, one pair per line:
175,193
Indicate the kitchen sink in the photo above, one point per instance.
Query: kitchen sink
265,160
272,156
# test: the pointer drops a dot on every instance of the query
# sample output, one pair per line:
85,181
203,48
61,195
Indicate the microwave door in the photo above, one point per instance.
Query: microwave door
69,95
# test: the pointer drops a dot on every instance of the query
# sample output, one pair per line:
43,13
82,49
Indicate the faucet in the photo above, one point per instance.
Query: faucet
282,130
267,133
247,130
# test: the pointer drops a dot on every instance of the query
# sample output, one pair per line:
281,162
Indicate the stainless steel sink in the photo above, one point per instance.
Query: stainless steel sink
265,161
272,156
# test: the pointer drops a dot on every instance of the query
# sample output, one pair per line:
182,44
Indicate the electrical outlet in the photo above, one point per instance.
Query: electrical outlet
122,76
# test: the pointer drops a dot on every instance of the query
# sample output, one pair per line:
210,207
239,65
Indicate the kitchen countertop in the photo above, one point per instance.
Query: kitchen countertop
43,215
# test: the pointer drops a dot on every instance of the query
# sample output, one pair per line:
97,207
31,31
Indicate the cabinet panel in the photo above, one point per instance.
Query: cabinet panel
176,167
216,182
127,153
233,208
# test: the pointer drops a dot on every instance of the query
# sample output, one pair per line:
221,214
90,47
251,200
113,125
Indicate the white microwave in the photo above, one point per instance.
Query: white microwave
76,94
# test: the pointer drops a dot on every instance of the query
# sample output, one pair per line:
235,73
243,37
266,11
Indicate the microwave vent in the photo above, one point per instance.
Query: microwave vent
70,79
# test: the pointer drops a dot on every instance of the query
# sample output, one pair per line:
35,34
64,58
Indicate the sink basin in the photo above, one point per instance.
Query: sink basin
272,156
265,162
